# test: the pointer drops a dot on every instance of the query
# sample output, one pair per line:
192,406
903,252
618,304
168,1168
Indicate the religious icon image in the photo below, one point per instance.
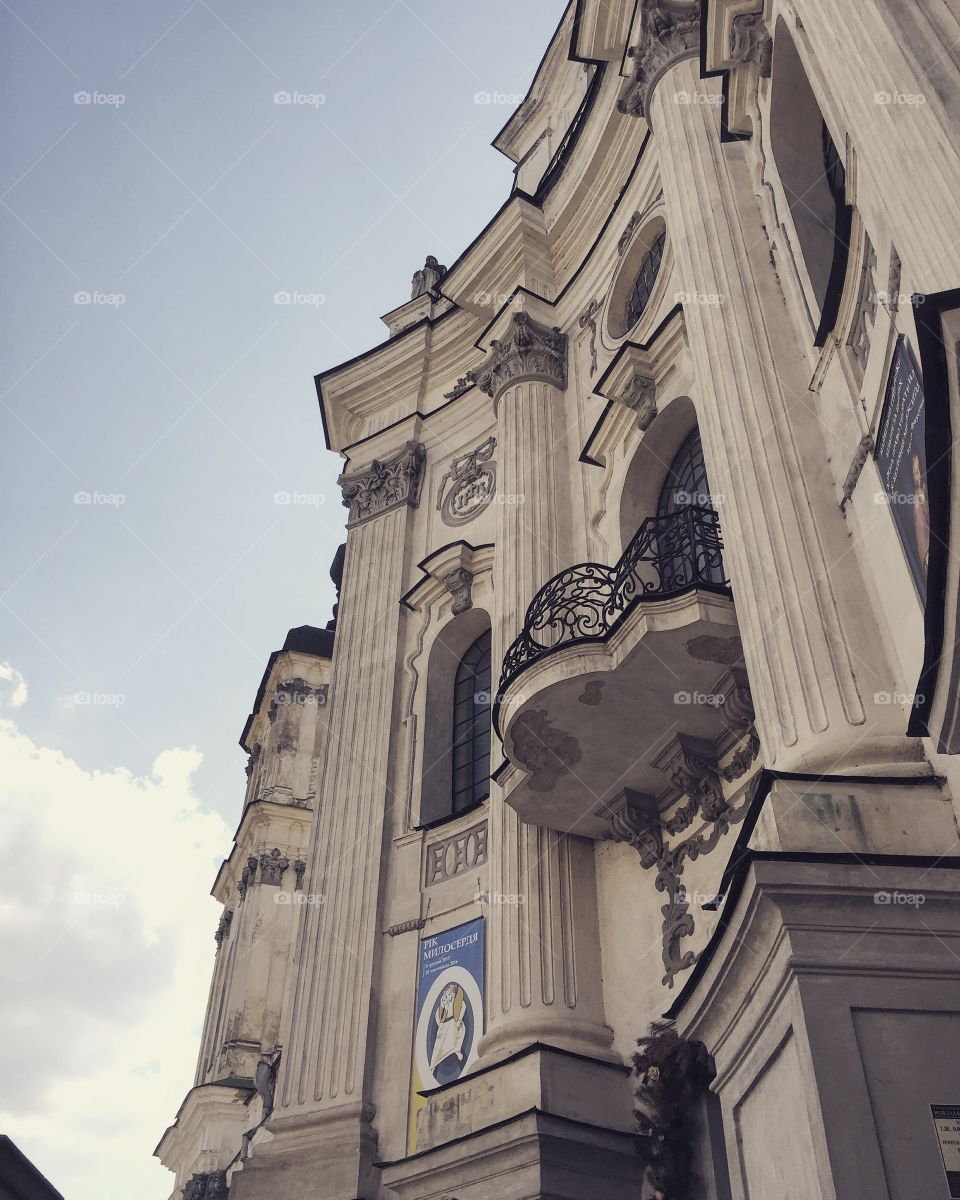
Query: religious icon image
451,1030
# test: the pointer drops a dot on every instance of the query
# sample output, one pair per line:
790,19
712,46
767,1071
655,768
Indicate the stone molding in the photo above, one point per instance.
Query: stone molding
670,32
528,351
385,485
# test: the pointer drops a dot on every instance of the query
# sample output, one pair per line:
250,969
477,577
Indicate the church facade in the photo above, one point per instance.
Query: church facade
605,844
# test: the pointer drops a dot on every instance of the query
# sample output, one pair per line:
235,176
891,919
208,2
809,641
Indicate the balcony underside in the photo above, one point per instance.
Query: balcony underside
592,717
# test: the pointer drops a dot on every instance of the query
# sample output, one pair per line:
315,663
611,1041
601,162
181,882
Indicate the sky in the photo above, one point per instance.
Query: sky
202,205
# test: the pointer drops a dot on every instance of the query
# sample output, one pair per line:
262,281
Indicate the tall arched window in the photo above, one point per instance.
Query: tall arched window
646,278
471,726
686,546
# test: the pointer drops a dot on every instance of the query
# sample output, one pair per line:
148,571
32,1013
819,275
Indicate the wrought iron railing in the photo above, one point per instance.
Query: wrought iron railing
585,603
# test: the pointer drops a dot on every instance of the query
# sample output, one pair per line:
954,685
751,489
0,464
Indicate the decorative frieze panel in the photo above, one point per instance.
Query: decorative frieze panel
670,32
384,485
451,856
469,486
529,351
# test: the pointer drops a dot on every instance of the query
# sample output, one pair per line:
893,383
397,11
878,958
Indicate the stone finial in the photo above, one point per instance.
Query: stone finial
384,485
528,351
670,32
427,279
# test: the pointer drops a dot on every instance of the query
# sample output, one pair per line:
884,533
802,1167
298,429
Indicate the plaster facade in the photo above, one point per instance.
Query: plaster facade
670,444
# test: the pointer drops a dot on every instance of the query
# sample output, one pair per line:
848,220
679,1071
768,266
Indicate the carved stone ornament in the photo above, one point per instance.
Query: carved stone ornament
865,313
641,396
384,485
690,765
751,43
299,870
462,385
634,819
211,1185
223,929
265,1081
248,877
588,320
427,279
631,228
406,926
670,32
673,1075
459,584
529,351
272,867
864,447
469,486
451,856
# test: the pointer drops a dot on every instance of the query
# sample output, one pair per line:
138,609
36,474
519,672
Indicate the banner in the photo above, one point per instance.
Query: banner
449,1012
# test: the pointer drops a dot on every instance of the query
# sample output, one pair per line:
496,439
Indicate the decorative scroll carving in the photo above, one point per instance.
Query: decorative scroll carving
588,320
674,1073
459,584
641,396
272,867
529,351
406,926
865,314
212,1185
462,385
667,555
892,297
223,929
248,876
864,446
451,856
690,765
751,43
384,485
299,870
631,228
426,281
670,32
473,481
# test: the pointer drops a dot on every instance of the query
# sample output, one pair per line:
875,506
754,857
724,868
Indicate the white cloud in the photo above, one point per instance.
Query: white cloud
106,936
17,694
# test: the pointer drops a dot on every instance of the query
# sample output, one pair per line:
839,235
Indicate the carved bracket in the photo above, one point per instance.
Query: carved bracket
459,583
640,395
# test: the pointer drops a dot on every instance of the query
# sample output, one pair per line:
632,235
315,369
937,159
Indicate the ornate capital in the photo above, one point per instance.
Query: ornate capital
529,351
211,1185
384,485
750,42
272,867
223,929
634,819
670,32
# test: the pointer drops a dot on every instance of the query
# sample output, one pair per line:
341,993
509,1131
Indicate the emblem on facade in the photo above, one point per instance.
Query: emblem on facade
469,486
451,856
670,32
529,351
384,485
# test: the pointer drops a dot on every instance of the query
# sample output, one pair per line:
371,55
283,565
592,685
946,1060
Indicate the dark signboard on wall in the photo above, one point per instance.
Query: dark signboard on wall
901,458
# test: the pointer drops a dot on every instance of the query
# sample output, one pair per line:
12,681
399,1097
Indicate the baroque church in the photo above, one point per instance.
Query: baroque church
605,843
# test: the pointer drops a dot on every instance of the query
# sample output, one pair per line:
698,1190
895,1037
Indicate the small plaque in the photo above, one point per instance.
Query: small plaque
946,1120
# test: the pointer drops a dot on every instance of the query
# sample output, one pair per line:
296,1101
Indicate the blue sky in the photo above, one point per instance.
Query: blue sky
156,198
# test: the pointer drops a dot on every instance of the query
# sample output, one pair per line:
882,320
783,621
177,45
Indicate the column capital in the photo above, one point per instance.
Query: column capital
528,350
386,484
669,33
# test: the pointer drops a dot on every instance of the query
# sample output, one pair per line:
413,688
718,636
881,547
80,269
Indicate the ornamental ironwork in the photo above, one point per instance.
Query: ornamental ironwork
669,554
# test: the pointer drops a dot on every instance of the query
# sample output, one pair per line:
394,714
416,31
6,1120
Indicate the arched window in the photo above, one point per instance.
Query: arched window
471,726
646,278
688,545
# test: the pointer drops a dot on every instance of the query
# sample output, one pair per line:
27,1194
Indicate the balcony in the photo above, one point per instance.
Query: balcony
617,672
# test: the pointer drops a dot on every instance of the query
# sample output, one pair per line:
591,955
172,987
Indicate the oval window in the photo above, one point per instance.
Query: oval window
635,282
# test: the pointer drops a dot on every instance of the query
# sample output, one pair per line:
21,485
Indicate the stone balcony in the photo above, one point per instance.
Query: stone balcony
625,690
